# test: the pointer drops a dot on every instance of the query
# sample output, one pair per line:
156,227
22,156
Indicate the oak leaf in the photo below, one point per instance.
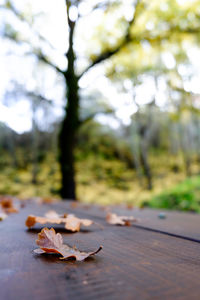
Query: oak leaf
71,222
114,219
7,205
51,242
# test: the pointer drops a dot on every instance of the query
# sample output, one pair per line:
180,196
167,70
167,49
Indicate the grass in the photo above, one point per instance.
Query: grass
106,182
184,196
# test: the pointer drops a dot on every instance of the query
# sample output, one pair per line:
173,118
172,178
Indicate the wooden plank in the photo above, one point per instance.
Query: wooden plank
178,223
134,264
181,224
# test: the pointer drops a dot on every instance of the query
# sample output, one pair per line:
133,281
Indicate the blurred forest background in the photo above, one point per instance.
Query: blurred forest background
100,101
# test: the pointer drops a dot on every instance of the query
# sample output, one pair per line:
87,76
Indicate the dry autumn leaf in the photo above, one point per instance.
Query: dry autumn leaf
129,206
71,222
48,200
74,205
7,205
44,200
51,242
119,220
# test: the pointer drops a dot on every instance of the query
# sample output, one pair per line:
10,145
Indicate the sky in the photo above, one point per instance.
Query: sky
51,23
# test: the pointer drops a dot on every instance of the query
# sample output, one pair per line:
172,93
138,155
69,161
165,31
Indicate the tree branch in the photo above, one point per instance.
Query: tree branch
44,59
38,97
70,53
18,90
9,6
91,116
37,52
102,57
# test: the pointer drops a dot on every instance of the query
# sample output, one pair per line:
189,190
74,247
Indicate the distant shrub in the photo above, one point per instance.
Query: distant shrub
185,196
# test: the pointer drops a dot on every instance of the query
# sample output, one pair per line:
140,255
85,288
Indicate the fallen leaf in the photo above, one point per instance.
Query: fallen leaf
22,205
48,200
51,242
8,206
44,200
71,222
74,205
129,206
119,220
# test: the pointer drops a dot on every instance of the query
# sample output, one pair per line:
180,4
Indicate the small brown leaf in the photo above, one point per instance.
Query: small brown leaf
47,200
44,200
119,220
52,242
129,206
71,222
48,238
8,206
74,205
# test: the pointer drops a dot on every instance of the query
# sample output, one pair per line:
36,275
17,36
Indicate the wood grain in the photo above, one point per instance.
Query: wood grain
134,263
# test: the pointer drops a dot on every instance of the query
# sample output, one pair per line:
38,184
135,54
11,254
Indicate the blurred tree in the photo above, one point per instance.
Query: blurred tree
133,42
161,38
72,122
38,103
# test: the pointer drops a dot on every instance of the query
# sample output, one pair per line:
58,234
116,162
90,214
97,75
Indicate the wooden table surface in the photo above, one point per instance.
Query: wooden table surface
153,259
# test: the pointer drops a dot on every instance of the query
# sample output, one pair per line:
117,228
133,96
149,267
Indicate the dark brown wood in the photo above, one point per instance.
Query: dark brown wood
178,223
182,224
134,264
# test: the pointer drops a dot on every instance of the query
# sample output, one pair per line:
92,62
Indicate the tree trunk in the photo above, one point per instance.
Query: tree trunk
35,144
70,124
12,149
185,148
145,164
144,132
134,143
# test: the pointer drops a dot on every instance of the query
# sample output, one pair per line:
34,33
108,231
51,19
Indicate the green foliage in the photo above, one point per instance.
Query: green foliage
185,196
